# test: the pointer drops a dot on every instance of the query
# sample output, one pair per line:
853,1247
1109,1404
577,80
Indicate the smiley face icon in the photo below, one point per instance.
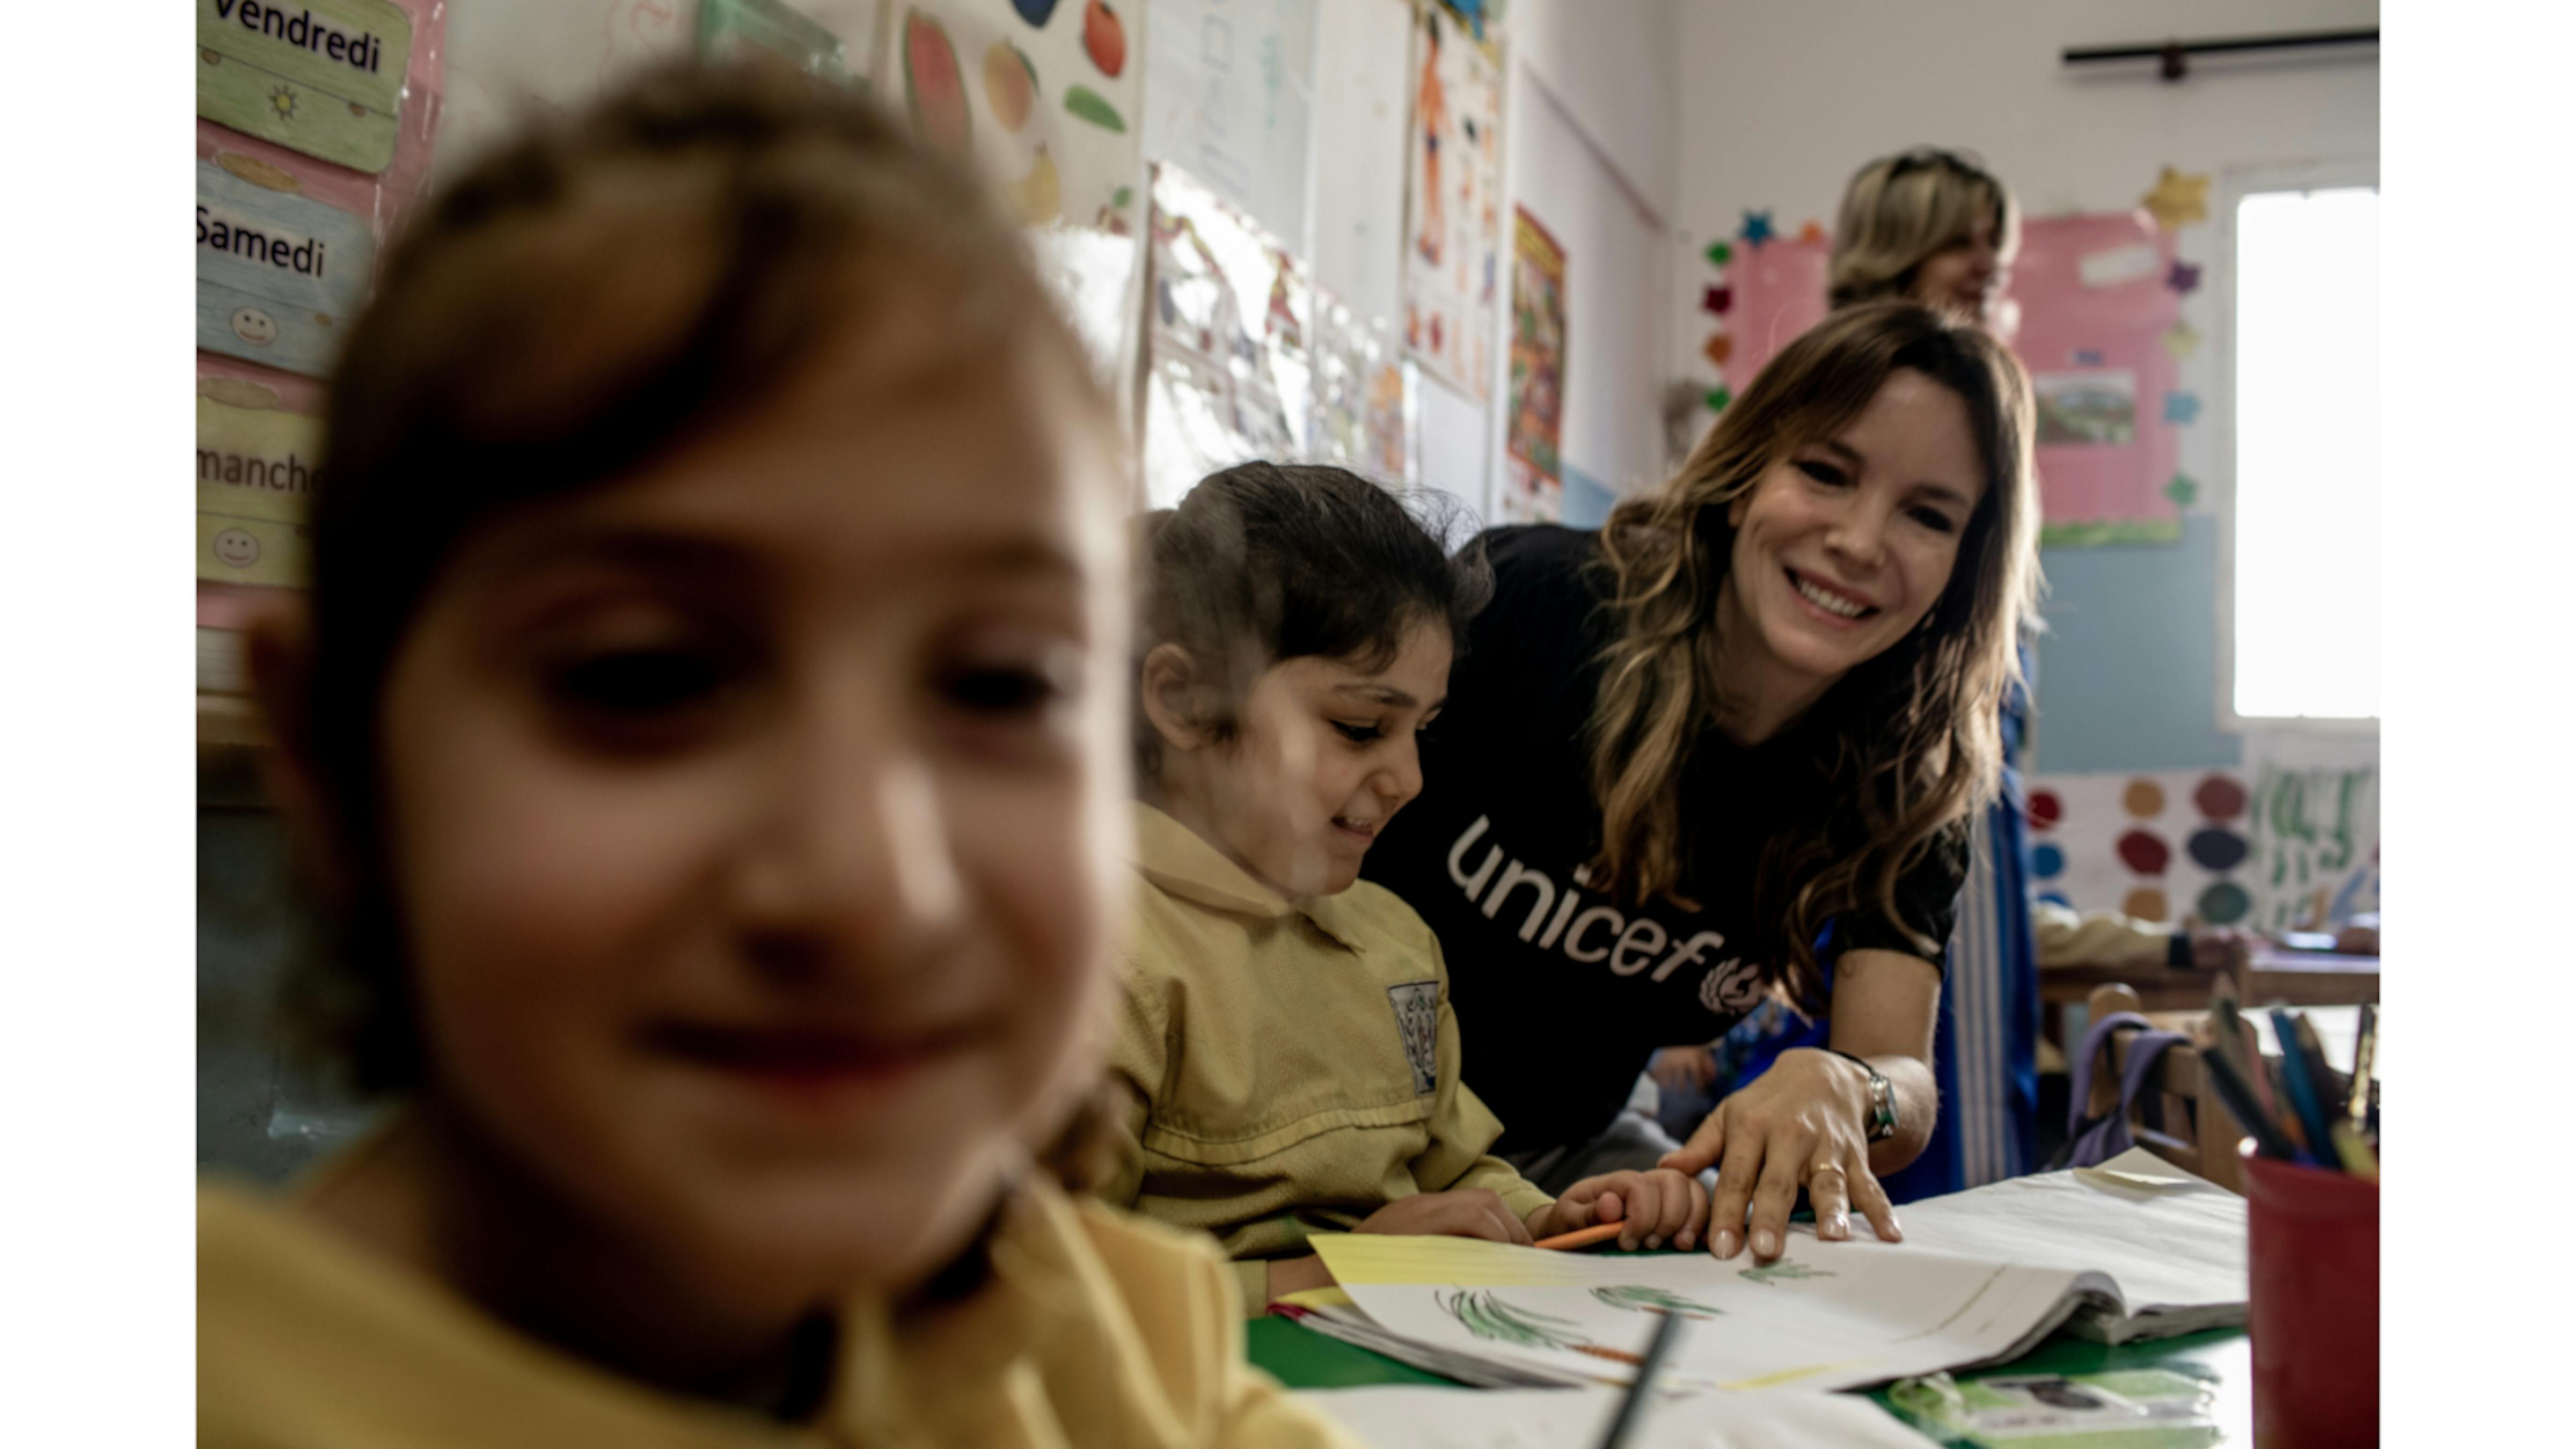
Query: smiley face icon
254,326
237,548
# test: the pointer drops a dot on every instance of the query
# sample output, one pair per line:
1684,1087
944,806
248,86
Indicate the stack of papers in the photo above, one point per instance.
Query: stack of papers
2134,1249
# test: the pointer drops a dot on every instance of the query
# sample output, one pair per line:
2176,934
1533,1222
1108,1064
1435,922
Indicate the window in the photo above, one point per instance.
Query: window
2301,630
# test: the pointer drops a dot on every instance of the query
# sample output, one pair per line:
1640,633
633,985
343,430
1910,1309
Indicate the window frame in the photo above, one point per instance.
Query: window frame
2235,184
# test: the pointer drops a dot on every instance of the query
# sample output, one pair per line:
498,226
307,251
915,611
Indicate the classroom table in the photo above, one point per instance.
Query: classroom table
1304,1359
2291,978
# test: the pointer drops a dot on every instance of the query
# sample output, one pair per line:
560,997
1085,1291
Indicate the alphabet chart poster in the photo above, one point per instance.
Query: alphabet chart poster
1045,96
1453,200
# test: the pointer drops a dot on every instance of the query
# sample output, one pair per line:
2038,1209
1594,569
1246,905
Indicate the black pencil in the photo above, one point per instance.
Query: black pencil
1629,1407
2239,1097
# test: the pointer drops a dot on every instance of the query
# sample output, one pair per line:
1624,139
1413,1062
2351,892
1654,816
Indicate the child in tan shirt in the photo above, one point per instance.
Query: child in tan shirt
1287,1054
709,729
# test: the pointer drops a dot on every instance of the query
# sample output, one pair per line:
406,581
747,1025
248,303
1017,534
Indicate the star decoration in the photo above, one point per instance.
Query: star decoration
1720,347
1717,300
2182,408
2184,278
2182,490
1757,228
2177,200
1718,253
2182,341
1717,398
1813,233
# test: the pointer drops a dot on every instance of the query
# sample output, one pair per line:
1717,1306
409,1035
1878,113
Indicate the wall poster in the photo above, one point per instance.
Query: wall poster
1453,199
1533,487
1230,315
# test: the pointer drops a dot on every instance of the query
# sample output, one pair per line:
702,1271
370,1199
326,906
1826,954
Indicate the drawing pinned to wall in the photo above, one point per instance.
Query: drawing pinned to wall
1039,95
1233,100
1229,371
1453,196
2108,841
1533,487
2096,315
2083,409
2316,844
1359,395
772,32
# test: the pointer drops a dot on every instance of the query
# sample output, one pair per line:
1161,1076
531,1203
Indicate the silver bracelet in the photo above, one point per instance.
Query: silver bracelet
1882,1098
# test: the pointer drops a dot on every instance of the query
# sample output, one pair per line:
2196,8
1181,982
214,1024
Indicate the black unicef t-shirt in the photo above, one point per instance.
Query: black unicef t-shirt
1562,992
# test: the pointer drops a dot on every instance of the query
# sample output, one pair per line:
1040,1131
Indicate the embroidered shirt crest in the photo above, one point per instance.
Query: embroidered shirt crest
1417,1021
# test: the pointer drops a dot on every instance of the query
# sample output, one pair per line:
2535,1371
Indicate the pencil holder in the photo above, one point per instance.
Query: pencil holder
2313,1256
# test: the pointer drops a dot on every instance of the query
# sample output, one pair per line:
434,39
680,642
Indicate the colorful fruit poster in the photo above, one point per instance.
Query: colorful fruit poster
1453,205
1533,490
1228,328
1360,393
1043,96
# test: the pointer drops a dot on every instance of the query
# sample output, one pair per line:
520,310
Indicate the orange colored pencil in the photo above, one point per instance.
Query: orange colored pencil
1582,1237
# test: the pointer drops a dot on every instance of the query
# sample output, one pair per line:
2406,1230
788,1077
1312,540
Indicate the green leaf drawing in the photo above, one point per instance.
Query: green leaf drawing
1782,1269
1487,1316
1087,103
1639,1298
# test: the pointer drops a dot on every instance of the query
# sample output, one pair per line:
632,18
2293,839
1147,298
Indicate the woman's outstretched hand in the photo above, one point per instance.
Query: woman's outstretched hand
1800,1124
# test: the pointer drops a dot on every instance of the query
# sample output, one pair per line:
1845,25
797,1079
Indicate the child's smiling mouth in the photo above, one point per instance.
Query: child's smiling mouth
1364,832
810,1063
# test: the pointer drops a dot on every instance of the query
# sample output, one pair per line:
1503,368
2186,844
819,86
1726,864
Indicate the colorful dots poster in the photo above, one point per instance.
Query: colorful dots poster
2274,846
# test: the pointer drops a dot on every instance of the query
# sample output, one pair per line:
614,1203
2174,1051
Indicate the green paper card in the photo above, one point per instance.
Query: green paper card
728,28
324,77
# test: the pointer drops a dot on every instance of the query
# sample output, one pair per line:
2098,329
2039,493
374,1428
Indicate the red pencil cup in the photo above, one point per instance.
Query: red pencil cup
2312,1252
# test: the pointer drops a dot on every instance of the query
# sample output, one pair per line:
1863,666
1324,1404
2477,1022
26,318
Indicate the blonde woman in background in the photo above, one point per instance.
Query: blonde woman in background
1928,226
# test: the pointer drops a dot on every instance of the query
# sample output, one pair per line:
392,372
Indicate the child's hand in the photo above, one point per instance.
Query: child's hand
1652,1207
1467,1213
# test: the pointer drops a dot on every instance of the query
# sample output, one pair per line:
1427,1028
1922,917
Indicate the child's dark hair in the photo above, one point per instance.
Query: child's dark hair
1267,562
571,308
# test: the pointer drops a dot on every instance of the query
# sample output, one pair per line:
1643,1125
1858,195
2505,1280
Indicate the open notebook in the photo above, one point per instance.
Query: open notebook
2132,1249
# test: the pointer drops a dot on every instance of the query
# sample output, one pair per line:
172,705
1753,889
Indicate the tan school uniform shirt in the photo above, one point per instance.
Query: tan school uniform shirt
1096,1330
1288,1067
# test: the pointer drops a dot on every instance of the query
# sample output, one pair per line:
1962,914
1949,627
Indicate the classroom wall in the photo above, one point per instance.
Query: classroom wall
1589,131
1779,104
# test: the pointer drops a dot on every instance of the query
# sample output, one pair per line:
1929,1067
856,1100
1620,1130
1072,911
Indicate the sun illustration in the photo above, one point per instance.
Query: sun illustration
282,101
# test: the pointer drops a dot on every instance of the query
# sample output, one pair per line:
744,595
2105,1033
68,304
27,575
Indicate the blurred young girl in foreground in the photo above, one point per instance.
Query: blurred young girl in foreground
709,733
1289,1060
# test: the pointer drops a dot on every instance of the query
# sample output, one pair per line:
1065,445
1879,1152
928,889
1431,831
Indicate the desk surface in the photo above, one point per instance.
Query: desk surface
1304,1359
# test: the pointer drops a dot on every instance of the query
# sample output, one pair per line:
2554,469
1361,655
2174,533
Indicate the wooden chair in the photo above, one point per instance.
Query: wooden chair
2200,1135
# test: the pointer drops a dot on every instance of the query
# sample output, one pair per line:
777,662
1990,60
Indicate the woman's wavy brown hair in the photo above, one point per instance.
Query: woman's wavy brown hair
1910,741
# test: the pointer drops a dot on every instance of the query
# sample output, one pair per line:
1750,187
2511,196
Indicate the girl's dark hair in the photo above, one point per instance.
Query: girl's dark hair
572,307
1267,562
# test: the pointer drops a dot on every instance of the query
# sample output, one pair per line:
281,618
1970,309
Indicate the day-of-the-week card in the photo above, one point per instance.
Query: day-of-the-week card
324,77
278,275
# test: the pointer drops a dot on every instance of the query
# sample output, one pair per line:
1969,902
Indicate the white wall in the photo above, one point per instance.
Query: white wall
1591,132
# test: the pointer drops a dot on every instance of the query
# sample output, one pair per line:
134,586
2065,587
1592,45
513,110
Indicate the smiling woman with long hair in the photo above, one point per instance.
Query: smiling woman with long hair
1725,750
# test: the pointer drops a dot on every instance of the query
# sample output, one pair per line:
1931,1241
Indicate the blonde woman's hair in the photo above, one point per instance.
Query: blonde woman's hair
1908,739
1900,211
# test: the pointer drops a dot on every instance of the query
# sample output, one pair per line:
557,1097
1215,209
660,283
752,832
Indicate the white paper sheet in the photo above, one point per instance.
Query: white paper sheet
2171,1248
1824,1316
1428,1418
